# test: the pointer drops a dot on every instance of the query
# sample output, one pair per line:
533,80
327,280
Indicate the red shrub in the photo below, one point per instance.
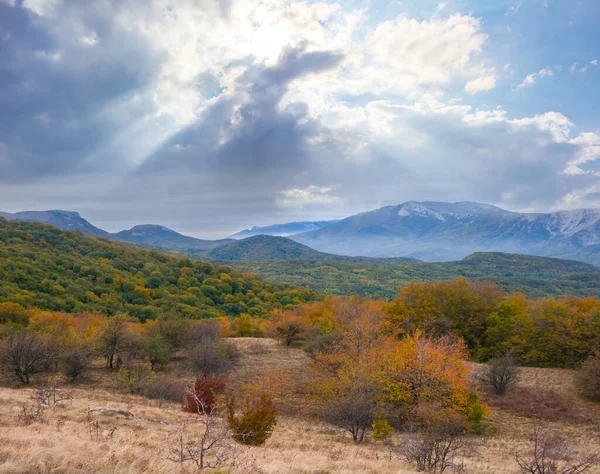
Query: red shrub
204,395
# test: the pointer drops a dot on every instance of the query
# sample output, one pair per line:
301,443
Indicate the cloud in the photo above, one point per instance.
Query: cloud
210,116
531,79
484,83
594,62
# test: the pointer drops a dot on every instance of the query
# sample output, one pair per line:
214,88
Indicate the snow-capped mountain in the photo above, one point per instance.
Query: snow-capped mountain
440,231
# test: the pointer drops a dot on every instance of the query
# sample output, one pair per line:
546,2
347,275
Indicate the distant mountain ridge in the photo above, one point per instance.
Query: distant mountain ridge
439,231
148,235
65,220
429,231
161,236
269,247
283,230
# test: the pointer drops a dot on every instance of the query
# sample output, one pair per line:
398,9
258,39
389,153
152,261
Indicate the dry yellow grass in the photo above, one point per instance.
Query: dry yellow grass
62,443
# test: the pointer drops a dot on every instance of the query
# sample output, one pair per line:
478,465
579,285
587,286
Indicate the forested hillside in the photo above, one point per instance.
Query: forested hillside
534,276
42,266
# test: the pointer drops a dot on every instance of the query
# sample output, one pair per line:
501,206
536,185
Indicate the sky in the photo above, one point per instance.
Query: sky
210,116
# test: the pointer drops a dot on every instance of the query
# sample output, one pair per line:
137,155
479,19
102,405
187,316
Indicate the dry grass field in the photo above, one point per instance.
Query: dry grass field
72,437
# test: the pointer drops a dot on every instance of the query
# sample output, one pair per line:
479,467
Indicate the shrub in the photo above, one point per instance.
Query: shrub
382,430
350,402
436,439
75,363
162,389
211,358
588,378
25,354
256,422
135,377
501,374
204,395
159,351
551,454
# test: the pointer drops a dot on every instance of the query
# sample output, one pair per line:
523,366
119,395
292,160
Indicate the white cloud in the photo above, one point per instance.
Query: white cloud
311,195
484,83
55,56
531,79
90,40
429,52
594,62
42,7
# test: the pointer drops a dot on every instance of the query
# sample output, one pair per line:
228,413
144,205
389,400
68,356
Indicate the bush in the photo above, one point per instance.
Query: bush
501,374
75,363
25,354
588,378
211,358
204,395
382,430
135,377
163,389
551,454
256,422
436,439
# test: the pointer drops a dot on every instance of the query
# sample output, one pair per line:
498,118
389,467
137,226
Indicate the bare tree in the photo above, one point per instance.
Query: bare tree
50,395
552,454
25,354
208,447
501,374
437,440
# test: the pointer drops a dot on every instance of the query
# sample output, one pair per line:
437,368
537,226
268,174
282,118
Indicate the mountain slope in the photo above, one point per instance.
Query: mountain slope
163,237
268,247
535,276
65,220
42,266
437,231
283,230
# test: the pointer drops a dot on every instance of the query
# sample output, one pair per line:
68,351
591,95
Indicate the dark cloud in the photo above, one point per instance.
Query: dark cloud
59,100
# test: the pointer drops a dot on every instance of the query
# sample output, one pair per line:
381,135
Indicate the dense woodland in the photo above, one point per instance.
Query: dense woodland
42,266
534,276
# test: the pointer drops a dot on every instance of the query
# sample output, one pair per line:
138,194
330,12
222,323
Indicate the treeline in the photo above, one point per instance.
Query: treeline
42,266
549,332
35,341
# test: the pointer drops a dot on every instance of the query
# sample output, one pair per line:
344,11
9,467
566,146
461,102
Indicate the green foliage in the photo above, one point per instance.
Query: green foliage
256,422
536,277
135,377
382,430
42,266
159,351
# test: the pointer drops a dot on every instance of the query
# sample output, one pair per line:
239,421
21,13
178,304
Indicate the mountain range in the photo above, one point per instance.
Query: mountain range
283,230
439,231
429,231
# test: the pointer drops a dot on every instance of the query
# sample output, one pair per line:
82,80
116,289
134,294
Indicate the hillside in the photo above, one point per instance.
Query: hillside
439,231
534,276
267,247
43,266
299,444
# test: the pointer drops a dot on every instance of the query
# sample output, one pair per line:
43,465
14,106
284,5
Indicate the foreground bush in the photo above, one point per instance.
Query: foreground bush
588,379
255,424
25,354
551,454
437,439
203,396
